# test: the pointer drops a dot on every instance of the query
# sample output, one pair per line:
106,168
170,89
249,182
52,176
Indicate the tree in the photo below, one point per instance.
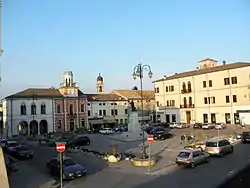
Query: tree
135,88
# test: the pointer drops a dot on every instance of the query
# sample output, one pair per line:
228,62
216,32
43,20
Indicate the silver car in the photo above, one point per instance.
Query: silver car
192,158
220,126
219,147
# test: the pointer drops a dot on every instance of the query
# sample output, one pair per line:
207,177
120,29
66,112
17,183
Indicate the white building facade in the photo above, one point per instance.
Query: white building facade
27,116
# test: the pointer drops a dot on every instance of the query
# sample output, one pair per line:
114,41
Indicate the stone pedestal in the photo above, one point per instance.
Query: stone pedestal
133,123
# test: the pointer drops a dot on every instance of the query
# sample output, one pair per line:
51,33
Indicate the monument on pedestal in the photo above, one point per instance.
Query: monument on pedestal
135,130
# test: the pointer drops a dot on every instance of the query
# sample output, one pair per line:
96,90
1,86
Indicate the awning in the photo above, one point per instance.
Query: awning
110,121
96,121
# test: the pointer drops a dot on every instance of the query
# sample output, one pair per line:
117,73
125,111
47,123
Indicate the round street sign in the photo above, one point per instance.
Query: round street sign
60,147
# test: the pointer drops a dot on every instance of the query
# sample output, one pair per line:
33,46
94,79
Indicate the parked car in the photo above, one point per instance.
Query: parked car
71,169
162,135
9,145
79,141
3,142
197,126
207,126
22,152
220,126
245,137
173,125
156,129
192,158
106,131
219,147
148,129
182,126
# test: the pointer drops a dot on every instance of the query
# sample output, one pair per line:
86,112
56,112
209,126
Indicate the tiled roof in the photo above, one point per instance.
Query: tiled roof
208,59
135,94
39,92
205,71
104,97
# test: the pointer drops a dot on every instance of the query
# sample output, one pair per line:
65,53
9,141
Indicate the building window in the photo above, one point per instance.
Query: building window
205,100
89,113
204,84
112,103
59,124
104,113
189,86
83,122
105,104
171,88
100,112
173,118
71,109
213,118
227,118
33,109
210,83
121,121
23,109
88,104
43,109
205,118
157,103
234,98
115,103
226,81
157,90
184,86
82,108
190,101
234,80
116,112
58,108
166,88
172,103
167,103
212,99
227,99
126,111
185,101
100,104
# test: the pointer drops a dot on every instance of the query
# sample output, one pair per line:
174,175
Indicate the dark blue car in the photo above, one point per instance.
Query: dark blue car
71,169
22,152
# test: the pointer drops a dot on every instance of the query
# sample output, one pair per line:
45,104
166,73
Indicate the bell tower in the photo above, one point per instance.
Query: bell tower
68,79
99,84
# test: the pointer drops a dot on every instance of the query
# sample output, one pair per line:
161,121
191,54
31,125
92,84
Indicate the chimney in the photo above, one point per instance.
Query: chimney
223,62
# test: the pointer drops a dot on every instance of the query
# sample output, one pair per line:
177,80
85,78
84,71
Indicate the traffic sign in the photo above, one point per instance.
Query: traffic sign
60,147
150,138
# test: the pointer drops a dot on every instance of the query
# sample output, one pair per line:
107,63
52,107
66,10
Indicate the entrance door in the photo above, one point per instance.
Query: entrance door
188,117
71,125
167,118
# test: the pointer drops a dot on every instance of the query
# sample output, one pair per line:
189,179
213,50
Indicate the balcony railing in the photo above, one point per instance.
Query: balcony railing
187,106
72,115
186,90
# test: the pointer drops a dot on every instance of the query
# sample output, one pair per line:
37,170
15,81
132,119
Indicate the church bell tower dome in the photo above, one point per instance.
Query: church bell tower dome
99,84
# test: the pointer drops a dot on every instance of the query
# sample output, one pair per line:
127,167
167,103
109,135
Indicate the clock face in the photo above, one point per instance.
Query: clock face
70,91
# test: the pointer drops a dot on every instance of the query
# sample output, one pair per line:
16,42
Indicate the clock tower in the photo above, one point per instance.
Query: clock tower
68,86
99,84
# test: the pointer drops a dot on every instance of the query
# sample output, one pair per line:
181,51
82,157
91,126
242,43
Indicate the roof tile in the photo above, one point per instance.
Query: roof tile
104,97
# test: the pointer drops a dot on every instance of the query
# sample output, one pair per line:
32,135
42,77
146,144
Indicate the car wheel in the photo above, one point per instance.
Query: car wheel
192,165
243,142
221,154
232,150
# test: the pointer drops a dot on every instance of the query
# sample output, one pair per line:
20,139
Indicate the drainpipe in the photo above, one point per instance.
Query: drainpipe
53,115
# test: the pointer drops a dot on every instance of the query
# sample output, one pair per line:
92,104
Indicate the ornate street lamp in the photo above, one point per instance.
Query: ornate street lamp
138,73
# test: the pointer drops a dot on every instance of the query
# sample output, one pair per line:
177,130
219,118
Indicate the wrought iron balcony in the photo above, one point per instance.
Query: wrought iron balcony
187,106
186,90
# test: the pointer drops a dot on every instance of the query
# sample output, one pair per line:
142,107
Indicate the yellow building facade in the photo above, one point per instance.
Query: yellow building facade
210,94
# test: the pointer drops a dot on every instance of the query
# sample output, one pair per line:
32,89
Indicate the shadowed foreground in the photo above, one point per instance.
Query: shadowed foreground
240,180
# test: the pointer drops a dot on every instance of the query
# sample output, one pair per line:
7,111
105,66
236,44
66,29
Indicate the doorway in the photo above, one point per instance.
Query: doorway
188,117
71,125
167,118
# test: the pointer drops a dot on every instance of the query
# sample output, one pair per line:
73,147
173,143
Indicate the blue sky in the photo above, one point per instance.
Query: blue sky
43,38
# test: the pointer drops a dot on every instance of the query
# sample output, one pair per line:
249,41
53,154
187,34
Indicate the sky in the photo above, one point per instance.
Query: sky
43,38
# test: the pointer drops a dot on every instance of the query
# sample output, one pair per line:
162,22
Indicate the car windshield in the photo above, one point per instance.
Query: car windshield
183,154
68,162
211,144
12,144
246,133
22,148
